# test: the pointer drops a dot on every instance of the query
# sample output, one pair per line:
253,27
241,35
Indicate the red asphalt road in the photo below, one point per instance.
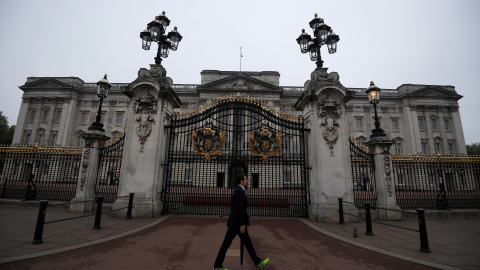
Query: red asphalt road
193,243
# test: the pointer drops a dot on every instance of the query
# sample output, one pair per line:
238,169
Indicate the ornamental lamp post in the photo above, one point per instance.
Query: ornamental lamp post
323,35
102,91
156,32
373,93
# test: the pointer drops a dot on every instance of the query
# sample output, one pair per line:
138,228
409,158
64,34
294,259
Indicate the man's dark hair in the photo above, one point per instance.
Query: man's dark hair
240,177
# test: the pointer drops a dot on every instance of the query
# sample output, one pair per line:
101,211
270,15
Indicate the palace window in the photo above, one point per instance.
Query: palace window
119,119
421,124
437,148
398,148
451,150
446,124
79,141
45,116
188,175
359,123
424,148
83,119
395,124
286,147
102,117
434,124
33,113
58,116
41,138
54,140
27,138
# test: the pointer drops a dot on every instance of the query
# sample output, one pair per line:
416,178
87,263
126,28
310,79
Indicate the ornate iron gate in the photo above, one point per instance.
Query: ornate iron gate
109,169
363,174
210,145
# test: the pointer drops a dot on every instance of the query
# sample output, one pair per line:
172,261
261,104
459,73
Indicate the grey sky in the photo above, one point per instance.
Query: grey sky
389,42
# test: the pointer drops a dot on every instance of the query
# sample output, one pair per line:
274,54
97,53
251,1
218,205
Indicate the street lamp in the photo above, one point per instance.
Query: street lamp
373,93
156,32
323,35
102,91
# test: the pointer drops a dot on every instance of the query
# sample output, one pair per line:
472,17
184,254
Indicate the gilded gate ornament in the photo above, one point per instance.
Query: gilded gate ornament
265,143
208,141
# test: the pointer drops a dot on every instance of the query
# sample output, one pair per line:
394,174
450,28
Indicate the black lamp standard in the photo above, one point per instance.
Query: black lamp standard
323,35
156,32
102,91
373,93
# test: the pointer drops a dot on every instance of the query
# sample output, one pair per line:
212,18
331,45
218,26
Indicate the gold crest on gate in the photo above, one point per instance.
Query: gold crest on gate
265,143
208,141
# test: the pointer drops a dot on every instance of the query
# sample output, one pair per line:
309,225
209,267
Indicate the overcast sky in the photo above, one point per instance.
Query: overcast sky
389,42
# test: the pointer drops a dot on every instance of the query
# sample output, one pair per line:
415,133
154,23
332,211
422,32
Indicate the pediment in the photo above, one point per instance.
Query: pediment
239,82
46,83
433,92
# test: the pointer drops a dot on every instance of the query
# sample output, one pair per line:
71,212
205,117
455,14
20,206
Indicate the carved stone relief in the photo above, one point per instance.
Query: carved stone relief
329,111
86,162
240,84
144,107
388,174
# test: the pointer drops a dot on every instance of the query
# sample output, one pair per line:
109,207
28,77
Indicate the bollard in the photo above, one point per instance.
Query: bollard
423,231
130,205
98,214
37,238
340,211
368,219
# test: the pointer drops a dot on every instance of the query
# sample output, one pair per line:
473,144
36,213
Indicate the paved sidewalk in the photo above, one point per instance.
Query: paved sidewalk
454,243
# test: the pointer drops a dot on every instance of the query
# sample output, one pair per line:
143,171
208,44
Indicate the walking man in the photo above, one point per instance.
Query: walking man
237,225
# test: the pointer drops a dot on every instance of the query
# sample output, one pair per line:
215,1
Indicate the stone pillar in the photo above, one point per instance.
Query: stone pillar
87,179
385,185
142,172
323,105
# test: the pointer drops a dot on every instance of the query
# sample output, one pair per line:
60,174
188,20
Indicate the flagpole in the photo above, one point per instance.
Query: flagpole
241,58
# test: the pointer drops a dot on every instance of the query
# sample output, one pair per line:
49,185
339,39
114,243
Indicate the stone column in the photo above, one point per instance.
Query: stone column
458,129
385,185
323,105
87,179
142,172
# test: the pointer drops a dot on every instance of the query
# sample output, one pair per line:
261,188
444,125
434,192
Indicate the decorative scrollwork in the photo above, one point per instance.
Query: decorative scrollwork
208,141
265,143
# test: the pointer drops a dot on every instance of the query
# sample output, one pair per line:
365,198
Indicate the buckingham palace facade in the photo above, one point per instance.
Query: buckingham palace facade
421,119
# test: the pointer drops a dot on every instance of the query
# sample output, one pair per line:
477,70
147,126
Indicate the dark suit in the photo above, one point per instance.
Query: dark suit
237,218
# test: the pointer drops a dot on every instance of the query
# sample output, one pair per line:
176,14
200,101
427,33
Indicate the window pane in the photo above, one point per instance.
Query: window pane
45,116
84,118
33,113
420,124
446,123
58,116
40,139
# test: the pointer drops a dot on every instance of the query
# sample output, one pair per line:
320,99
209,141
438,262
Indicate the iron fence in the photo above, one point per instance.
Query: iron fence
109,169
33,173
363,174
437,181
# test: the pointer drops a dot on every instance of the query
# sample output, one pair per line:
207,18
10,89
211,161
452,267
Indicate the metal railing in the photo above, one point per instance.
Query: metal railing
37,238
31,172
422,227
437,181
